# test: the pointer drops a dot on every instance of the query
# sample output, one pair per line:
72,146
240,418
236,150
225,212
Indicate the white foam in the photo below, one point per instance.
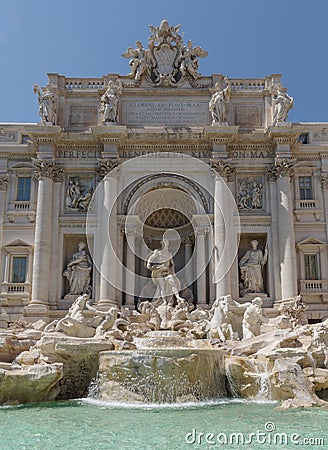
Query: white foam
185,405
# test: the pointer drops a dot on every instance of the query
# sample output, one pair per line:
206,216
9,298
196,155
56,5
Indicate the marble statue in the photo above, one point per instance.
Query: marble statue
225,318
138,62
295,309
110,101
282,103
251,269
218,102
73,323
161,265
166,61
78,271
47,107
189,60
253,319
109,319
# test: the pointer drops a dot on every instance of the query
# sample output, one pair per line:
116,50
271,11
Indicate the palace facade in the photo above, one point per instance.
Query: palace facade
119,162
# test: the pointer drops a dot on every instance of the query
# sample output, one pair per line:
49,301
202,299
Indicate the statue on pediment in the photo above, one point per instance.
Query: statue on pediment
218,102
110,101
166,61
47,106
282,103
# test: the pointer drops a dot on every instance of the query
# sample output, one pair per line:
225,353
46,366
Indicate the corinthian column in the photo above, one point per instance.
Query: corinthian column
4,179
106,239
281,172
46,172
222,172
130,231
201,265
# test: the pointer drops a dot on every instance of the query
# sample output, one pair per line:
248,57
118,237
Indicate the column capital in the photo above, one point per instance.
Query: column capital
280,168
130,230
188,240
4,180
324,181
48,169
223,168
105,166
201,231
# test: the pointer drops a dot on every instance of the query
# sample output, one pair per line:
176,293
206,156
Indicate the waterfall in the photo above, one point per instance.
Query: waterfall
264,392
231,382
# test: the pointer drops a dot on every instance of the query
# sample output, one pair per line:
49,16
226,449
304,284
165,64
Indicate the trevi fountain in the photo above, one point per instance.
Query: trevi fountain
182,300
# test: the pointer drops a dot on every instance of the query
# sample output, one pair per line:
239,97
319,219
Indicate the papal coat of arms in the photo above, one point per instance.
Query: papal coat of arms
166,61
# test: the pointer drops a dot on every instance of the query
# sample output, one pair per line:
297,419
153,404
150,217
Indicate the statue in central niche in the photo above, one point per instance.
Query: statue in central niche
161,265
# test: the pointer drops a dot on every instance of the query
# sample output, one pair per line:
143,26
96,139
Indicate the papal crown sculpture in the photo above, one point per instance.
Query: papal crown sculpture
166,61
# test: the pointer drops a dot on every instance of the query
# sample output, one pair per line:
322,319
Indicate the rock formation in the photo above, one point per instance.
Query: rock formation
281,359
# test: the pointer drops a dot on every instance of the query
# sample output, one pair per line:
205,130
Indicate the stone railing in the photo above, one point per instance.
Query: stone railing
73,84
248,84
313,285
16,288
307,204
21,208
237,84
19,205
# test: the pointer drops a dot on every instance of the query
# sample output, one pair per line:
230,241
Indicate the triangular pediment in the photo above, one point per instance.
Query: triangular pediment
310,241
17,243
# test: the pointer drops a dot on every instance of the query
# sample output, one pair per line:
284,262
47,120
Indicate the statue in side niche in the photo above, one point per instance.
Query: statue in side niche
251,268
218,103
78,271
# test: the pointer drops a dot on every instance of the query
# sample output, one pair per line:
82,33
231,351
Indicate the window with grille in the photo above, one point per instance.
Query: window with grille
306,192
19,269
311,267
24,189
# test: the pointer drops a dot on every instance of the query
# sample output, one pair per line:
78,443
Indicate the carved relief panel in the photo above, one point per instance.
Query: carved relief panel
249,193
78,192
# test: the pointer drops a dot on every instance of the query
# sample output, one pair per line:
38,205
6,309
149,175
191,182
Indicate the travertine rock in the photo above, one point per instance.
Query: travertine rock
12,343
35,383
272,340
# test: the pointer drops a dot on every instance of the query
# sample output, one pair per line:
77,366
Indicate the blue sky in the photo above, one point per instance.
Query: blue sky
80,38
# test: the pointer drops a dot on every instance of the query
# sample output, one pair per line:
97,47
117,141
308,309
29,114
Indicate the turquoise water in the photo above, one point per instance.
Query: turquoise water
91,425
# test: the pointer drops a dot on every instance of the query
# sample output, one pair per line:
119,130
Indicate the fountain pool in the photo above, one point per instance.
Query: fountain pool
89,424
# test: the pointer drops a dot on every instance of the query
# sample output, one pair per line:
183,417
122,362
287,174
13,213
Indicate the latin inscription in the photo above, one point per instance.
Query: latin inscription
71,154
187,113
126,154
237,154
